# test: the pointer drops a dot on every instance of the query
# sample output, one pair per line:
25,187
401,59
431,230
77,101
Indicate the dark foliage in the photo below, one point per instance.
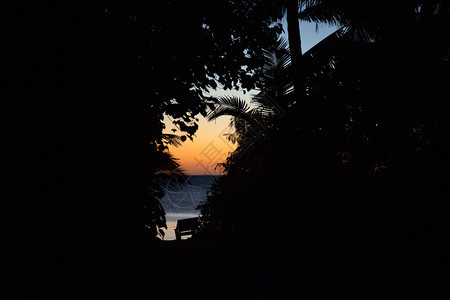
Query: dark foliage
356,189
87,84
349,185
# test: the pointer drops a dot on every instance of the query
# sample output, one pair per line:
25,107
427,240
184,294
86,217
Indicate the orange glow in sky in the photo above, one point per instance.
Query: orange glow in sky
210,146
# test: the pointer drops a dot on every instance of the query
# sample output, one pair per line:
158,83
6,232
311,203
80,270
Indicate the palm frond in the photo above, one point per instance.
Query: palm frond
277,57
265,107
167,161
322,13
361,21
172,139
231,137
170,168
275,80
229,106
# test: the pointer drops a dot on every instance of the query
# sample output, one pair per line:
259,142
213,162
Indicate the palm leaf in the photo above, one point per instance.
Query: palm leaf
170,172
229,106
172,139
323,13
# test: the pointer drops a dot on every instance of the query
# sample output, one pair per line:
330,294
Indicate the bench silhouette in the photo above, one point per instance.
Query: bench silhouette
186,227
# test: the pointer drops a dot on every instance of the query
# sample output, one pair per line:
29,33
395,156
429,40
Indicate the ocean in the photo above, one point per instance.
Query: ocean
180,203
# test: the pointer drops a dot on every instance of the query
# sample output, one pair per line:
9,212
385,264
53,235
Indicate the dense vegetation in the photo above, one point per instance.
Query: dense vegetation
345,146
86,87
351,172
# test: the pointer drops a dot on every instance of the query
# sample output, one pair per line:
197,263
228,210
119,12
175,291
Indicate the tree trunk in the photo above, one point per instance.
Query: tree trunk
304,106
295,47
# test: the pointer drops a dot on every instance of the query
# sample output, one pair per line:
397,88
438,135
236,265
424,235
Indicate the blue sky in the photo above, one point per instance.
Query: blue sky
309,35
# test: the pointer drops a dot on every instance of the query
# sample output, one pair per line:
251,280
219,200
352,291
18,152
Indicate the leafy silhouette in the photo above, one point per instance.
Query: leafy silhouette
361,166
340,177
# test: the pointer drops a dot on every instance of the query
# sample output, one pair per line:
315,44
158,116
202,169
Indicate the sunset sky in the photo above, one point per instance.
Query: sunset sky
209,147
